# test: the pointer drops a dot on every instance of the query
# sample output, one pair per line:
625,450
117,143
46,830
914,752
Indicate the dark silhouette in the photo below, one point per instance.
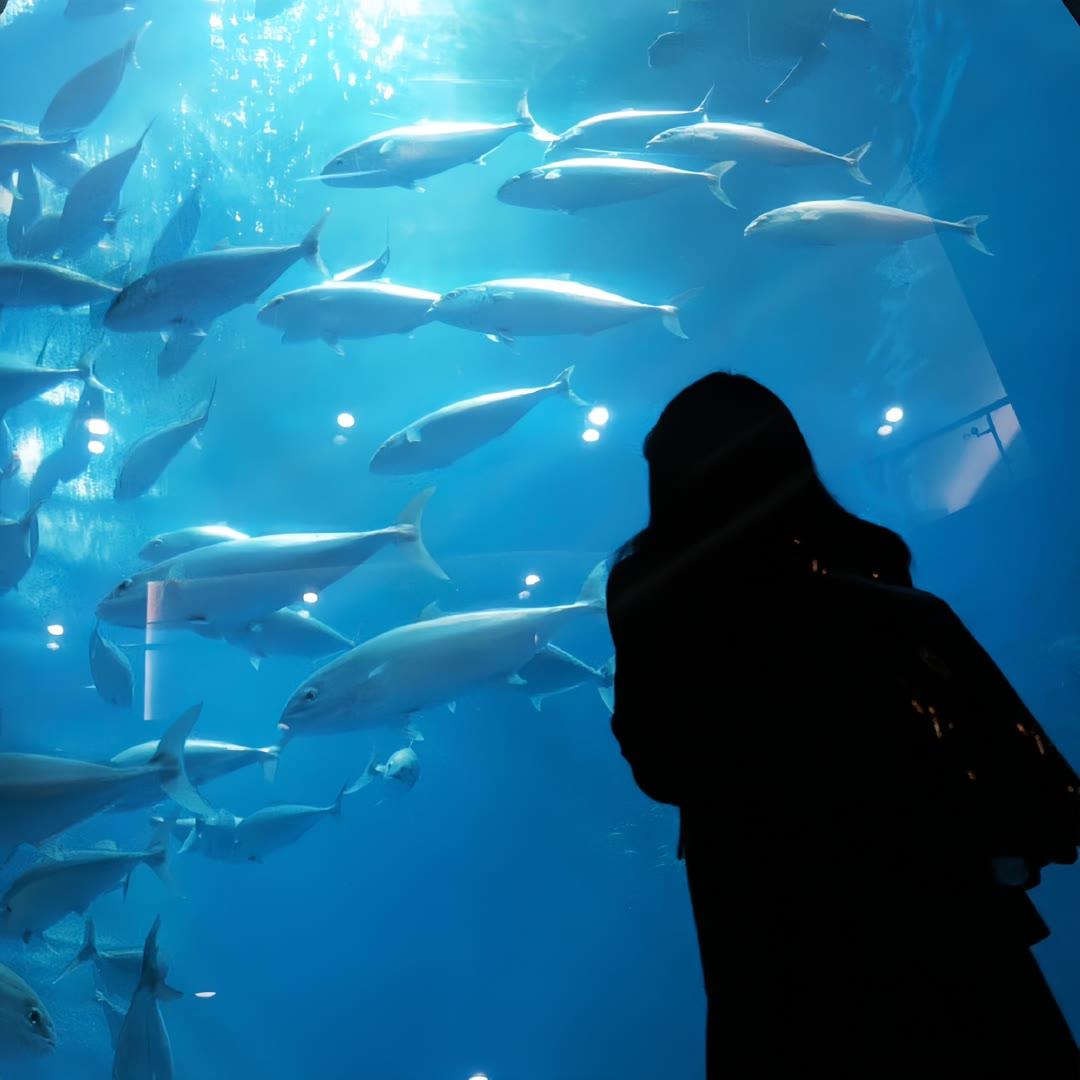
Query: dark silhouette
864,798
1074,8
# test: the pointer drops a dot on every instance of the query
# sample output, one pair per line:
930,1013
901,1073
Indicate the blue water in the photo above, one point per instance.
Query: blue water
521,911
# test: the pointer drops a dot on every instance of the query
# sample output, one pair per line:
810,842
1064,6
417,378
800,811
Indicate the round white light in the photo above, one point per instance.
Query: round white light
311,598
205,993
346,420
591,435
96,446
885,430
478,1076
532,579
52,646
894,415
599,416
55,629
98,426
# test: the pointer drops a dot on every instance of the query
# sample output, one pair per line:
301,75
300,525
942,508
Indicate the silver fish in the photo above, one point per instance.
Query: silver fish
143,1051
22,380
288,633
84,96
26,1028
111,671
180,541
150,455
442,437
192,292
401,156
31,284
583,183
402,767
55,158
72,457
855,221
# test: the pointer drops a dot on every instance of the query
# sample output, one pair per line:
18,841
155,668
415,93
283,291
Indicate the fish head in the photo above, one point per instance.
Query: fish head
771,222
26,1027
404,767
332,697
460,306
518,189
393,456
568,139
126,604
153,551
672,139
272,313
135,306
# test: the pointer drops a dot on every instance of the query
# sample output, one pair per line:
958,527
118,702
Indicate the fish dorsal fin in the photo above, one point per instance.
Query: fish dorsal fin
412,435
387,147
432,611
223,244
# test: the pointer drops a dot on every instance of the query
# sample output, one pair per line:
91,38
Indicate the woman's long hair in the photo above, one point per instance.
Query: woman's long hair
730,469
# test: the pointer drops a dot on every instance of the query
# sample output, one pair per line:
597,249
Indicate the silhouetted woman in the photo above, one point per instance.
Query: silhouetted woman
864,798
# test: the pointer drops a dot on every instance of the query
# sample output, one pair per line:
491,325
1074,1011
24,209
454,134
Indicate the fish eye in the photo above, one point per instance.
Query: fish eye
310,694
125,584
34,1016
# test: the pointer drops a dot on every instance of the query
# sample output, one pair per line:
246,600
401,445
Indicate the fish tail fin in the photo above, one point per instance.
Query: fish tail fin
528,121
170,759
271,762
562,385
87,951
335,810
310,246
410,519
607,683
594,589
133,43
706,101
853,161
371,771
157,859
669,312
150,975
88,372
716,174
607,697
969,226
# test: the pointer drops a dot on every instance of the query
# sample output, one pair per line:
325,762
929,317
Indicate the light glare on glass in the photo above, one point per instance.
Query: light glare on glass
524,594
55,629
52,646
591,435
599,416
532,579
98,426
346,420
885,430
205,993
894,415
96,446
311,598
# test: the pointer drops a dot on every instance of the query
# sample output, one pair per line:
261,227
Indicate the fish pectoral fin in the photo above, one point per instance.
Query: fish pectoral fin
452,706
332,341
501,337
388,147
515,680
412,435
553,174
413,734
811,215
537,702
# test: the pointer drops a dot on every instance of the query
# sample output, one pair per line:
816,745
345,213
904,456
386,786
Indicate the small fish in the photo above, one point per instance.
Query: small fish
83,98
42,795
854,221
119,967
386,680
505,309
54,888
92,206
402,768
234,583
401,156
18,547
554,671
583,183
150,455
143,1051
192,292
111,671
288,633
31,284
627,130
179,233
442,437
345,309
179,542
748,142
26,1028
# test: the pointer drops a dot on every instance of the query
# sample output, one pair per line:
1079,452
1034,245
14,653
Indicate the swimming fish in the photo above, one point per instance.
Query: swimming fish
582,183
401,156
402,768
143,1051
150,455
233,583
26,1028
31,284
92,206
118,967
442,437
854,221
83,98
179,233
111,671
204,760
554,671
516,307
288,633
387,679
54,888
625,130
347,309
22,380
42,795
192,292
18,547
170,544
748,142
252,839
